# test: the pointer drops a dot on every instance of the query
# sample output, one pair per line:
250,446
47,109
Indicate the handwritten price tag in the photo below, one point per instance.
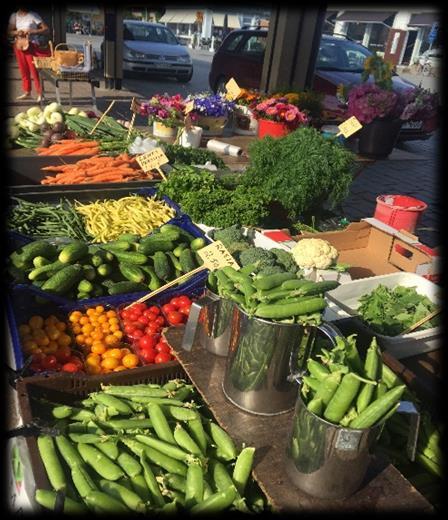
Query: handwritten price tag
189,107
349,127
232,88
135,106
152,160
216,256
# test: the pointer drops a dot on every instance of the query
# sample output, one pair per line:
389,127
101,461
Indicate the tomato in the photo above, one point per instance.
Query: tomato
125,314
149,314
134,316
136,334
75,360
160,320
163,347
185,310
153,328
129,328
143,319
162,357
175,318
147,341
175,301
154,309
50,362
138,324
184,301
63,354
148,355
70,367
169,307
38,358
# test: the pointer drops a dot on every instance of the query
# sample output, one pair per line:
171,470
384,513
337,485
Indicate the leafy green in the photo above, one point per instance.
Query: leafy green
179,154
301,171
391,311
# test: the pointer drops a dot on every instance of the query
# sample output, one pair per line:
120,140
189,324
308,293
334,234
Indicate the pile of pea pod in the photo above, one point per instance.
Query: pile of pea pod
280,297
144,449
350,393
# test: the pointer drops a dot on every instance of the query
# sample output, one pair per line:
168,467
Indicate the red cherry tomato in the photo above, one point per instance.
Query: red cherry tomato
148,313
63,354
153,317
175,318
154,309
153,328
70,367
134,316
160,320
138,324
175,301
50,362
184,301
143,319
129,329
148,355
162,357
163,347
75,360
168,307
136,334
147,341
125,314
185,310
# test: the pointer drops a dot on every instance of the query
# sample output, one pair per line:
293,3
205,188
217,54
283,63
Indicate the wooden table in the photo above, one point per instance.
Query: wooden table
385,488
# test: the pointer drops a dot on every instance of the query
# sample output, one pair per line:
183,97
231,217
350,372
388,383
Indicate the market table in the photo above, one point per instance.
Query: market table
385,487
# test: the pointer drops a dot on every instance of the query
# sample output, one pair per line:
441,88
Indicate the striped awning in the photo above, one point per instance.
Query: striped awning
218,20
365,16
233,22
178,16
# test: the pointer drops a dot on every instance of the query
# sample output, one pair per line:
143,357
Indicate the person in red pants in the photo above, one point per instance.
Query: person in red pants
26,26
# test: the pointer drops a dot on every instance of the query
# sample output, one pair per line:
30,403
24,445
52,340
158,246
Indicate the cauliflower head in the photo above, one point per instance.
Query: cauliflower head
314,252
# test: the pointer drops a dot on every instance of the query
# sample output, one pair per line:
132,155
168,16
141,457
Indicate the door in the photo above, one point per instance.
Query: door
412,35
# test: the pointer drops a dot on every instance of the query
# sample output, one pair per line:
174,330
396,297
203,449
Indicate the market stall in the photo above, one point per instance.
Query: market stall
175,314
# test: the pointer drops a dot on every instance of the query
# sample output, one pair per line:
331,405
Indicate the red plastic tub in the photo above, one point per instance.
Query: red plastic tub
272,128
399,211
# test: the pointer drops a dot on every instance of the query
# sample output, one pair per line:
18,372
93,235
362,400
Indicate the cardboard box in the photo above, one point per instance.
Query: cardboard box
373,248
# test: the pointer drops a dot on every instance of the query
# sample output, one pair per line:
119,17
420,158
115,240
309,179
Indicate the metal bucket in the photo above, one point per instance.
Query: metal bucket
210,318
325,460
264,359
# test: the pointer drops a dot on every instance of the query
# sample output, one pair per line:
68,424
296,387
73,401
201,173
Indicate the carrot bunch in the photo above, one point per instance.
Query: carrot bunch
121,168
71,147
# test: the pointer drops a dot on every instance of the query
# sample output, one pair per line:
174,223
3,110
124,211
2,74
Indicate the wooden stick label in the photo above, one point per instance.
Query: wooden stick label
135,106
216,256
152,160
349,127
232,88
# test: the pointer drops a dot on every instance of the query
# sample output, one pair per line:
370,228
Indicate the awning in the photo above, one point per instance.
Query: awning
218,20
178,16
233,22
365,16
423,19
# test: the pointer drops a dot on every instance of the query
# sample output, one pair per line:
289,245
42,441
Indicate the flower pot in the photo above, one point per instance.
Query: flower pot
244,122
272,128
377,139
161,130
191,138
212,126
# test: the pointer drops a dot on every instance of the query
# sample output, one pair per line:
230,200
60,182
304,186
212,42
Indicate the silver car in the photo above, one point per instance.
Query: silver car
153,48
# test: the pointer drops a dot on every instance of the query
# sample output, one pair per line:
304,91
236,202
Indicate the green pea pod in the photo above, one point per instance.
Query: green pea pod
197,432
164,447
274,280
349,416
100,462
328,387
352,354
120,492
105,503
194,487
47,499
51,462
129,464
139,485
160,424
372,367
223,441
82,481
315,406
212,282
342,399
312,382
243,468
316,369
215,503
111,402
185,441
176,481
68,451
151,483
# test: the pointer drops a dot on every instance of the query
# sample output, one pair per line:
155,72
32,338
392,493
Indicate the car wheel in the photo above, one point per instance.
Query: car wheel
220,85
184,79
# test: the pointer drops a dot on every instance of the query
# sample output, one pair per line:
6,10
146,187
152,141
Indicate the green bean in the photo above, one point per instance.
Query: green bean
216,502
105,503
194,492
99,462
51,462
47,499
224,443
151,482
160,424
164,447
111,402
198,434
243,468
120,492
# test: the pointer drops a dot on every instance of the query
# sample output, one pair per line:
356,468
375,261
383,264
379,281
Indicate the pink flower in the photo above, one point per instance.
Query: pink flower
281,106
271,111
290,115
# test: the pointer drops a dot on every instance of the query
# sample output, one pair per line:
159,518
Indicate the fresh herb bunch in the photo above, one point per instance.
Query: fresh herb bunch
300,171
210,202
179,154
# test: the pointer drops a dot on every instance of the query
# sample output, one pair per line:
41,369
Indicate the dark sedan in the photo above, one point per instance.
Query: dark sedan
339,61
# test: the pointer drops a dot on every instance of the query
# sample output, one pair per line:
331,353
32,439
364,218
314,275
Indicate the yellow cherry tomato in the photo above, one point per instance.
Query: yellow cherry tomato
36,322
130,361
24,329
110,363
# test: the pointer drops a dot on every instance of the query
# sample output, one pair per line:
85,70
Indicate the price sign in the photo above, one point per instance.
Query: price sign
216,256
189,107
152,160
233,90
135,106
349,127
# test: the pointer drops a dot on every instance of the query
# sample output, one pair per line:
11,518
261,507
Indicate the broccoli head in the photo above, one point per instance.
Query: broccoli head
235,248
285,259
271,269
229,235
257,255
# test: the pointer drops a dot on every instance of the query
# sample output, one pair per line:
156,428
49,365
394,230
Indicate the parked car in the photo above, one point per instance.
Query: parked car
153,48
430,61
339,60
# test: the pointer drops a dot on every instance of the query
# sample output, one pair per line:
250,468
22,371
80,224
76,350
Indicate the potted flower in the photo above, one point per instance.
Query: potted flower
211,112
244,121
276,117
420,105
165,113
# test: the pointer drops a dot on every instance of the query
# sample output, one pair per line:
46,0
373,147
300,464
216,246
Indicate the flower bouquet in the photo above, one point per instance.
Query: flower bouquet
165,113
211,112
277,117
419,104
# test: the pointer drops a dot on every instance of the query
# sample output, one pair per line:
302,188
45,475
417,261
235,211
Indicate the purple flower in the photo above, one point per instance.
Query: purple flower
368,102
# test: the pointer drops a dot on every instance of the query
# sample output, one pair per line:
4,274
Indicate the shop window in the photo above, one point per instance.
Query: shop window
356,31
378,37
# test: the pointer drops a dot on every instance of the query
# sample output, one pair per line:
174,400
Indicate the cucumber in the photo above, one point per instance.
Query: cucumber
187,261
82,295
99,258
104,269
162,267
153,243
89,272
131,272
73,252
40,273
40,261
179,249
197,243
85,286
128,237
183,233
126,287
62,281
117,245
131,257
109,256
23,257
173,233
154,282
174,260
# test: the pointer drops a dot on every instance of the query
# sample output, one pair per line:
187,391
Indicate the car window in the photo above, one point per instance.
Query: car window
148,33
341,55
232,43
254,46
